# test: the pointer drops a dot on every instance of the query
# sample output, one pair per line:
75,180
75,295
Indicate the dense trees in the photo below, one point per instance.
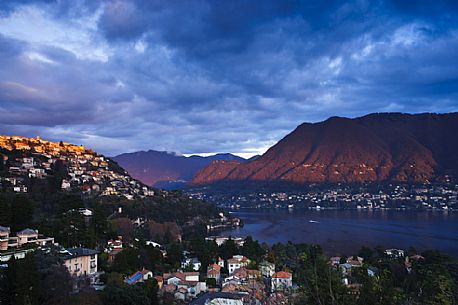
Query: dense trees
36,279
16,211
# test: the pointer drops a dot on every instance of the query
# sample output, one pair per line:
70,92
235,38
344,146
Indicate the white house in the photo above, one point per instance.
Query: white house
193,262
237,262
281,280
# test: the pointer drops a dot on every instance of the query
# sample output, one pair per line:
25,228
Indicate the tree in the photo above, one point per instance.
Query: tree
175,255
127,261
228,249
26,281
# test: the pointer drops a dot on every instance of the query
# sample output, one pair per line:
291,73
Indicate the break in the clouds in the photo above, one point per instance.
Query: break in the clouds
217,76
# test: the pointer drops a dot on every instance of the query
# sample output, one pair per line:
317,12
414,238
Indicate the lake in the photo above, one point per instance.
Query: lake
345,231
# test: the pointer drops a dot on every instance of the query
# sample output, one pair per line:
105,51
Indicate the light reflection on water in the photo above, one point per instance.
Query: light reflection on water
345,231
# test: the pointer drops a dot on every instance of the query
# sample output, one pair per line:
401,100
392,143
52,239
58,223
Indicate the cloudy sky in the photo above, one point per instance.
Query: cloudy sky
217,76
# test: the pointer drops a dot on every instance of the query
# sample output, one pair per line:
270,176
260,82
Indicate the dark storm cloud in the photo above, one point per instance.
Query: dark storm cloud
213,76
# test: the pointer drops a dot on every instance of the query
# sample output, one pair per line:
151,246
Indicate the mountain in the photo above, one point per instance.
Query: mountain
374,148
161,168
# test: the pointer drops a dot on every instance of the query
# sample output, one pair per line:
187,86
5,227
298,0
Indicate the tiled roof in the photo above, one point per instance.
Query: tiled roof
4,229
282,275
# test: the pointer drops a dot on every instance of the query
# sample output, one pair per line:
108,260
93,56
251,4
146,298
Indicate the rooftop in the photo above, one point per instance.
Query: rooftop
282,274
77,252
216,295
4,229
26,232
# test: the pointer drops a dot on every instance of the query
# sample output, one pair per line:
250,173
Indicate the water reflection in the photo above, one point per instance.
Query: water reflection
345,231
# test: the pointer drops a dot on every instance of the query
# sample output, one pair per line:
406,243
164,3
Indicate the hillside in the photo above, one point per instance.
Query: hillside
46,185
159,168
373,148
66,166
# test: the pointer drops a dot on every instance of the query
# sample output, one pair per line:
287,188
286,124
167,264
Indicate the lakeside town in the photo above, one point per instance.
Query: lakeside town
340,196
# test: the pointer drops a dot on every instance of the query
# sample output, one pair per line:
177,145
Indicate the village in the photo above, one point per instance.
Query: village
238,280
365,196
84,170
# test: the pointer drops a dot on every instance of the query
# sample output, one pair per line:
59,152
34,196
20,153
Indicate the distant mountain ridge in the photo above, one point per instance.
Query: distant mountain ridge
160,168
373,148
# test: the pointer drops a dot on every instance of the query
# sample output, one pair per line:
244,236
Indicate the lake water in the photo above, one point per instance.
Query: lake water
345,231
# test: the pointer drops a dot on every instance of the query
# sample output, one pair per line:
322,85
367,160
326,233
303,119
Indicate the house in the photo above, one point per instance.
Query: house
175,283
181,293
112,254
281,281
222,239
29,236
160,281
346,268
4,238
177,277
237,262
267,269
394,253
214,298
232,280
247,274
221,262
191,262
81,261
153,243
372,271
334,260
115,244
214,272
139,277
26,236
355,261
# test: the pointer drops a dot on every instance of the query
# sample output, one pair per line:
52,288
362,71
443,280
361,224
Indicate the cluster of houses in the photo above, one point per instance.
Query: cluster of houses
17,245
348,265
80,262
427,196
87,171
230,281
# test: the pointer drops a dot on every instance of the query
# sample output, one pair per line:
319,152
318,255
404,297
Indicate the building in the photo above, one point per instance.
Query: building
81,261
334,260
139,277
267,269
222,239
214,272
29,236
237,262
355,261
215,298
281,280
183,285
4,238
191,262
24,237
221,262
394,253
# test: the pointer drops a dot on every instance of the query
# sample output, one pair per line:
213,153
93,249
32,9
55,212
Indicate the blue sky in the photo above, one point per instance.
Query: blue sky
217,76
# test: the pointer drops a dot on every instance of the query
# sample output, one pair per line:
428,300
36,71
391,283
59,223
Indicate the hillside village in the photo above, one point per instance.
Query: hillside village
22,159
